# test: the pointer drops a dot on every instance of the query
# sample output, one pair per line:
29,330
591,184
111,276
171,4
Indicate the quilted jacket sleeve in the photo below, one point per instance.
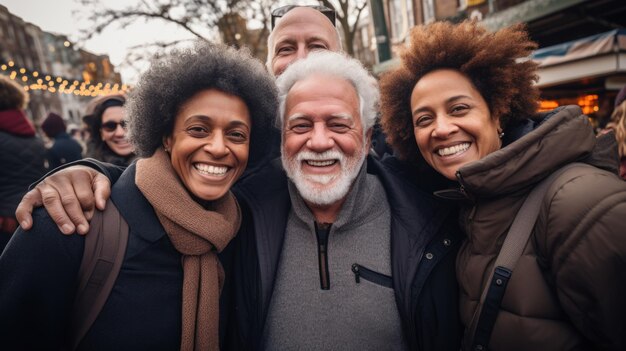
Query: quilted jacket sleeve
582,238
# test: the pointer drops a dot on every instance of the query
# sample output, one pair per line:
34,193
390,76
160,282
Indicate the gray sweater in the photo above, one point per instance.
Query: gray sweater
338,314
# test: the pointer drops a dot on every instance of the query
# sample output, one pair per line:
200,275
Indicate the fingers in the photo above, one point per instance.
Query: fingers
76,189
102,190
62,204
24,210
81,182
69,198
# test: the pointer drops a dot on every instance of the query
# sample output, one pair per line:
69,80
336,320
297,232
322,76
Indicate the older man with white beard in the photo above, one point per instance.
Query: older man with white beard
339,252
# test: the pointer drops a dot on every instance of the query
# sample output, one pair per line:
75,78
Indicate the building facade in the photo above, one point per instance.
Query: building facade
59,77
582,46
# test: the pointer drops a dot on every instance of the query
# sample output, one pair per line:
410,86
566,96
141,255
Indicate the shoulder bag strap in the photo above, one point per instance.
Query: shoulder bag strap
105,246
516,239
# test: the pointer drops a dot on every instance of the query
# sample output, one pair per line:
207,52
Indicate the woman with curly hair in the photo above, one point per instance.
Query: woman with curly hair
197,118
463,104
107,127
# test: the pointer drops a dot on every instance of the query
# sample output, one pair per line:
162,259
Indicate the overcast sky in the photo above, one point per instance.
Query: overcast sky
56,16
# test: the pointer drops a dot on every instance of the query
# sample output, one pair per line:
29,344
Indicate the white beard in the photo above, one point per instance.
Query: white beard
323,189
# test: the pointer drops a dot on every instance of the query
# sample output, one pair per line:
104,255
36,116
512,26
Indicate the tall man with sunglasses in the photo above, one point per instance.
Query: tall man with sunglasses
398,290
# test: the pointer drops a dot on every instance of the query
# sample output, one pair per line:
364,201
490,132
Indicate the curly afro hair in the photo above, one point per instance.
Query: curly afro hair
12,95
496,63
169,82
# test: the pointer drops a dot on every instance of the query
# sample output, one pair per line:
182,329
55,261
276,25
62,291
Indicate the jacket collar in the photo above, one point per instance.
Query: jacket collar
564,137
266,196
417,218
137,212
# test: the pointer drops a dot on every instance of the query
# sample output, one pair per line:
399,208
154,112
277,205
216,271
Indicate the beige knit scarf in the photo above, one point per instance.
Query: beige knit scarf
197,233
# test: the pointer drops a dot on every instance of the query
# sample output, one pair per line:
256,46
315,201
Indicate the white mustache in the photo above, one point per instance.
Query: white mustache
326,155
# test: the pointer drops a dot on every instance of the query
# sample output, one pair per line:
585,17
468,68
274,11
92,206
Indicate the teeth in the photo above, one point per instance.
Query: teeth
211,170
320,163
447,151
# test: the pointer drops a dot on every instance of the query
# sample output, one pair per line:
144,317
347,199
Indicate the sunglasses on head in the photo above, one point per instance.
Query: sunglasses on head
281,11
111,126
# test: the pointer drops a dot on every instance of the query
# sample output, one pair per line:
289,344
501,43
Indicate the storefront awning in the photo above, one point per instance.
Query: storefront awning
595,56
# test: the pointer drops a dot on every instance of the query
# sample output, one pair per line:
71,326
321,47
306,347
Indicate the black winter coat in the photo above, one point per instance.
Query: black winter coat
64,150
21,163
38,277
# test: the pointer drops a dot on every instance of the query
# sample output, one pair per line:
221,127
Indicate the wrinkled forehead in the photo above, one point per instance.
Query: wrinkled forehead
320,94
304,15
302,19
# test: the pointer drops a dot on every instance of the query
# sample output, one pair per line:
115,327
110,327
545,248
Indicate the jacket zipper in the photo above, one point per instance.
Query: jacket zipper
468,214
321,231
462,186
370,275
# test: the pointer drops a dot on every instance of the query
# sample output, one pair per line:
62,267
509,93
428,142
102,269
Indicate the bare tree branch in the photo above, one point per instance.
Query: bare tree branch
348,15
199,18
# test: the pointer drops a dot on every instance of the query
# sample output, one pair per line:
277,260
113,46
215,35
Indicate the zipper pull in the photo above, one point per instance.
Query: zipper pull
357,275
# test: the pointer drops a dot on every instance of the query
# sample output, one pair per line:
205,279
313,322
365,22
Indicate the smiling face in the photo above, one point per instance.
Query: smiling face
115,138
452,123
210,142
299,32
323,140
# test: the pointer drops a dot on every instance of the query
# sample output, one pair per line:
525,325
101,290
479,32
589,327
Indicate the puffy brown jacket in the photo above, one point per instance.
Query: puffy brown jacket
568,290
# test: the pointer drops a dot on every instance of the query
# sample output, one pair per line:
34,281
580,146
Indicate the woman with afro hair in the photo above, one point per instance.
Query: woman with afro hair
198,118
463,104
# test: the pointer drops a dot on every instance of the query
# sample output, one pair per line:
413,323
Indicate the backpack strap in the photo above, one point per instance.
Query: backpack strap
516,239
105,246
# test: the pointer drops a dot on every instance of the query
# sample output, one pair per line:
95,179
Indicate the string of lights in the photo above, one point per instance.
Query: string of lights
34,80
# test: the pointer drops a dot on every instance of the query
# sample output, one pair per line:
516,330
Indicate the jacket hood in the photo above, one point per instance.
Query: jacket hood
561,136
15,122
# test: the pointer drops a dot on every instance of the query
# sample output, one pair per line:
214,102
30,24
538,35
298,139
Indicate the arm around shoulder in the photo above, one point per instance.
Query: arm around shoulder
70,194
111,171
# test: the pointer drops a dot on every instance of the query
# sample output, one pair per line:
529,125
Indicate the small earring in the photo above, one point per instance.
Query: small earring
500,133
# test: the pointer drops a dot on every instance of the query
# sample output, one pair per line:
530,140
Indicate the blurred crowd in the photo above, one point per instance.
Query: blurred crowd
26,154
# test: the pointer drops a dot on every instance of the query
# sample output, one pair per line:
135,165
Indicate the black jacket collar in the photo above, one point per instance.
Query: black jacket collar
137,211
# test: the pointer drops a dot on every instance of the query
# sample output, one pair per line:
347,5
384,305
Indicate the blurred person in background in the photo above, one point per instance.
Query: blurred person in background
78,134
618,125
22,154
64,148
106,122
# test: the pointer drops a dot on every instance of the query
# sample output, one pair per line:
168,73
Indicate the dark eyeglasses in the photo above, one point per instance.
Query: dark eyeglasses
281,11
111,126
